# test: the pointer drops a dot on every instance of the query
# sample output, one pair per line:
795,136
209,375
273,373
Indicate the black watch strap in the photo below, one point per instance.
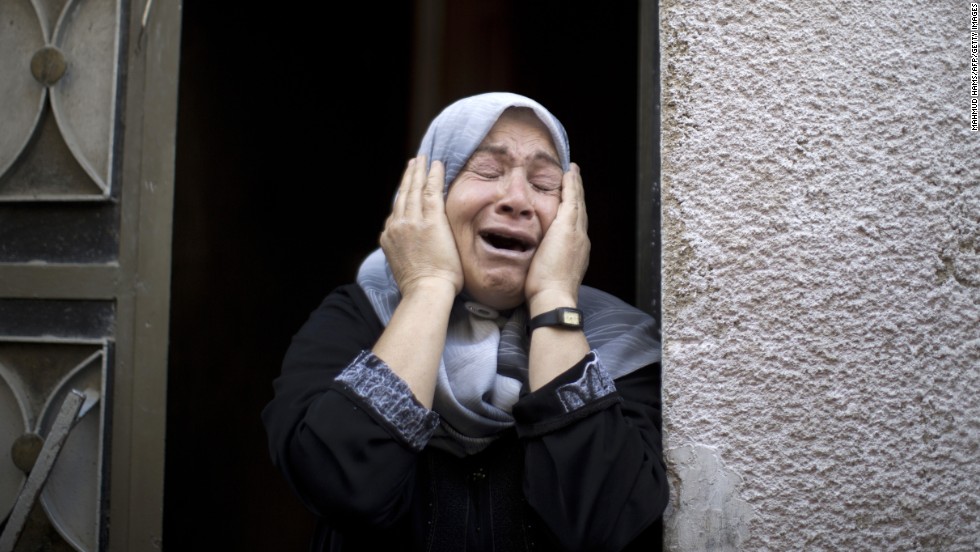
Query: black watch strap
562,317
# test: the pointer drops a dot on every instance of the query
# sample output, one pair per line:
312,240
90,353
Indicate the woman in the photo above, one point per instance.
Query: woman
467,392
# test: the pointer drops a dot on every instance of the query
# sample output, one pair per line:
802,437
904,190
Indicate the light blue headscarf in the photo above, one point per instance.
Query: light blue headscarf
485,364
456,133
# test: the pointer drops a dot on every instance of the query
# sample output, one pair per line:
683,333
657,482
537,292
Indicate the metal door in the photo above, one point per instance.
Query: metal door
88,92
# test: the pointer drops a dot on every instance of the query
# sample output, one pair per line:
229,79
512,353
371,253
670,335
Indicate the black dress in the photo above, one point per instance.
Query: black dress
591,478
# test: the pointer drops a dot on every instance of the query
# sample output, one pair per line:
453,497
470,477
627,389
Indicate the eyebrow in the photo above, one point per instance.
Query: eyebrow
503,151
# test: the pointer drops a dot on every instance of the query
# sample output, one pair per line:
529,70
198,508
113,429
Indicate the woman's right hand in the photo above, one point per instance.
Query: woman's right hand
417,239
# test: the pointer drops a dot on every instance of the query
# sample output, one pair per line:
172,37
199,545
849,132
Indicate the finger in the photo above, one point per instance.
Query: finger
398,209
413,198
432,195
583,212
573,197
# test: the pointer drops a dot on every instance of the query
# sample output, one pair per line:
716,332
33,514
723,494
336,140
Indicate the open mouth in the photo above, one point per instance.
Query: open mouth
508,243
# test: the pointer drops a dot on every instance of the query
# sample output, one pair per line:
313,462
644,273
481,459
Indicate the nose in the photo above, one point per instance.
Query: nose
514,196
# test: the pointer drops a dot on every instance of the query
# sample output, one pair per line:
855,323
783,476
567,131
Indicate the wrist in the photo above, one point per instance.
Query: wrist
548,300
430,289
562,318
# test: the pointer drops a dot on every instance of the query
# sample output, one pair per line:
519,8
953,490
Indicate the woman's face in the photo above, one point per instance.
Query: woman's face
501,204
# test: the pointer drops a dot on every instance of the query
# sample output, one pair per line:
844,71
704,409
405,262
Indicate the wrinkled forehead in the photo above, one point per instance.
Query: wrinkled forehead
513,123
455,134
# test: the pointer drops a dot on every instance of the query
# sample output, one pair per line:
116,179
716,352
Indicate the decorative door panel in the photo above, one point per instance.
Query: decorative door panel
85,207
36,376
60,98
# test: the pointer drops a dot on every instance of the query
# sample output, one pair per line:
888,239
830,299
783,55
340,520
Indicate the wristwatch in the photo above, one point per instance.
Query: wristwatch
562,317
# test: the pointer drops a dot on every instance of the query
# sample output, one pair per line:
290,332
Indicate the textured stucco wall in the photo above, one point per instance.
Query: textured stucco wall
821,258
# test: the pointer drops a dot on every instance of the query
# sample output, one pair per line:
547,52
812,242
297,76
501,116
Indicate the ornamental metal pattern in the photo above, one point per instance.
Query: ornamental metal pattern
59,106
36,375
58,98
85,227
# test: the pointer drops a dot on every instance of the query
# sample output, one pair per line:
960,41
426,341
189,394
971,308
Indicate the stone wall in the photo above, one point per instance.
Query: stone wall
821,275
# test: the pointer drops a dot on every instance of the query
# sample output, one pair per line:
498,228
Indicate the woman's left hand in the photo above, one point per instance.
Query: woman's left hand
562,258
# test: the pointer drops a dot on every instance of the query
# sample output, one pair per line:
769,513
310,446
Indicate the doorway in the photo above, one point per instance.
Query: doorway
293,128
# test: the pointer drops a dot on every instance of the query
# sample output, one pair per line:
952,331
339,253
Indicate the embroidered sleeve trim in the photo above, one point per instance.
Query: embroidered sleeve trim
390,398
594,384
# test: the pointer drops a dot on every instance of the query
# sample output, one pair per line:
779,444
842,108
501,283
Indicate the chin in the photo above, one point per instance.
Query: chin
502,304
498,293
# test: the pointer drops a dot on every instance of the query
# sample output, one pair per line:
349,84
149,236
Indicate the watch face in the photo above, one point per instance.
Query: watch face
571,318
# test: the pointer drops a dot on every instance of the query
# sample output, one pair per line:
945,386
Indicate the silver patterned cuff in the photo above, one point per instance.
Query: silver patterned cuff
594,384
370,379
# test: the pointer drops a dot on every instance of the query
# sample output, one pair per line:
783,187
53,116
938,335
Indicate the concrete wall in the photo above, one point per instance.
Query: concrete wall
821,264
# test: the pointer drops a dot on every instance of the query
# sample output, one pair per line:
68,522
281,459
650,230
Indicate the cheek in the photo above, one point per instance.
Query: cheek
453,204
547,211
459,213
463,203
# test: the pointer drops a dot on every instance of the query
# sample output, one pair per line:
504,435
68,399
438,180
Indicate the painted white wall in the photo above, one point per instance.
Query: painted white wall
821,263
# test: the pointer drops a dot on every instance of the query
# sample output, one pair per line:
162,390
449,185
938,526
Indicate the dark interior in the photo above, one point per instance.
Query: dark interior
293,129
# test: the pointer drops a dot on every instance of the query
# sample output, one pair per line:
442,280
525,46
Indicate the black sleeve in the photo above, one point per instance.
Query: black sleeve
333,451
595,474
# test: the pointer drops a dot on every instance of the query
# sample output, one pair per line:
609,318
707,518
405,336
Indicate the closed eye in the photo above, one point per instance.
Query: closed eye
546,181
484,166
547,185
